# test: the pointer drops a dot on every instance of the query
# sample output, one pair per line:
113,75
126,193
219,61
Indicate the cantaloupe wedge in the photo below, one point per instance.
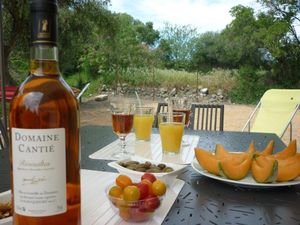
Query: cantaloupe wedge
288,168
251,149
264,169
222,153
268,149
207,160
235,171
289,151
297,155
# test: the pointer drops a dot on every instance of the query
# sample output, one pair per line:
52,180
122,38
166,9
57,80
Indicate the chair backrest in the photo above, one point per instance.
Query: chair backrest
207,117
162,107
275,111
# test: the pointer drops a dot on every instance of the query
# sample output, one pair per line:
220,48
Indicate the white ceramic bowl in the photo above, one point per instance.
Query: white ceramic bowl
4,198
168,178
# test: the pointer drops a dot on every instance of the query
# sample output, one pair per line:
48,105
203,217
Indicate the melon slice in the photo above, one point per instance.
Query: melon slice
289,168
222,153
289,151
207,160
268,149
264,169
297,155
251,149
235,171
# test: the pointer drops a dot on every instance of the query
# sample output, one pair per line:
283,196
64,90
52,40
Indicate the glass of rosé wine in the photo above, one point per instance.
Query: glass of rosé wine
122,121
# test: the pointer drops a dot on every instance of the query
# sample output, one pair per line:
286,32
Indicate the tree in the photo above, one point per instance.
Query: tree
177,44
147,34
263,46
15,28
78,29
240,45
127,47
282,41
16,25
287,11
206,51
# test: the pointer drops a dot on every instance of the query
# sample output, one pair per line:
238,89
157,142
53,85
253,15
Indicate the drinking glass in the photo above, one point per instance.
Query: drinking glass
183,105
142,123
122,122
171,132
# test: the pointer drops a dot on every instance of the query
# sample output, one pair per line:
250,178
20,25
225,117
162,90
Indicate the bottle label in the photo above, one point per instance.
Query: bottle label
39,171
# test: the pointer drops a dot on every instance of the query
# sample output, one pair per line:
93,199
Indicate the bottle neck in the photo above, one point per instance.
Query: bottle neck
44,60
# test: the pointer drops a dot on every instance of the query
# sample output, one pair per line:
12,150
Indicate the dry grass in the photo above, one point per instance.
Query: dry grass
219,79
215,79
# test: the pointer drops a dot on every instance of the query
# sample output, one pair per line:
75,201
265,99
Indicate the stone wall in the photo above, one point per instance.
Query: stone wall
200,94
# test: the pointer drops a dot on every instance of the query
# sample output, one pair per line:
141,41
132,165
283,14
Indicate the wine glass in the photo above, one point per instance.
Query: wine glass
183,105
122,122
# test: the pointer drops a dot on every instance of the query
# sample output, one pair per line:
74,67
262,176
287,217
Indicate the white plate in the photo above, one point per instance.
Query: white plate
248,181
4,198
136,175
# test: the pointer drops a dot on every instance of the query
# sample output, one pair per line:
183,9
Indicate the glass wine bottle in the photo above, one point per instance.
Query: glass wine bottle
44,133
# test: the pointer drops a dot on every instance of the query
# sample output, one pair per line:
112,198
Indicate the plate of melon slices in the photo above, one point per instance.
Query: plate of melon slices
252,168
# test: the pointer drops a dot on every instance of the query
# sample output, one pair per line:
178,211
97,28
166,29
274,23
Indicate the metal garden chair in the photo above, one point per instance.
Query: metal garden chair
208,117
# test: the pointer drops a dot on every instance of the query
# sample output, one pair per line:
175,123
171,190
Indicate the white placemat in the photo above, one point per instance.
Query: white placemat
96,209
150,150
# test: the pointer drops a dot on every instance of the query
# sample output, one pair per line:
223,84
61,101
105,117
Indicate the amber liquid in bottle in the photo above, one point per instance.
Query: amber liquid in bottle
43,104
51,105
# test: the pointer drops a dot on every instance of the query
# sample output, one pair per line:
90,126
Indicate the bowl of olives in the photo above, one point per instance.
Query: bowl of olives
135,167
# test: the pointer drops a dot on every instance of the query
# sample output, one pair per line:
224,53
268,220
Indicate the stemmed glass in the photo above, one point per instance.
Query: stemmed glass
183,105
122,122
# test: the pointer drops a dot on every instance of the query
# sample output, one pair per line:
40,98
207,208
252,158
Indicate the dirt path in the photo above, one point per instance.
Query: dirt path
97,113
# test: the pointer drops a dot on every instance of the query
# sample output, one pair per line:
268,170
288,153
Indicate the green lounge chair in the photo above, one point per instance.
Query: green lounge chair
274,112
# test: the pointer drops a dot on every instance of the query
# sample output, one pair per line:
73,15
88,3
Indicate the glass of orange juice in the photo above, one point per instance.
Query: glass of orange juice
142,123
171,132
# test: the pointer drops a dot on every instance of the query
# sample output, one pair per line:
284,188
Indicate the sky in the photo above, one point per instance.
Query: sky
205,15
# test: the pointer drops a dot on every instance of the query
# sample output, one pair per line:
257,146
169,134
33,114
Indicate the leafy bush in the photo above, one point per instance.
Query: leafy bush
250,87
80,79
18,68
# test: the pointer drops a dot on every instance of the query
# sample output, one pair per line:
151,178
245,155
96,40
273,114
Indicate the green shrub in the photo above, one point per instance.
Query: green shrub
18,68
250,87
78,80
